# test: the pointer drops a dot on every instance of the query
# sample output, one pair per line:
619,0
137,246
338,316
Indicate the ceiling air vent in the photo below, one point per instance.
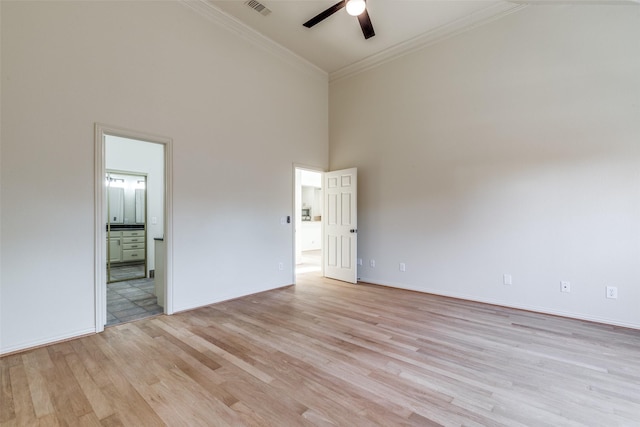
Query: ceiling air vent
258,7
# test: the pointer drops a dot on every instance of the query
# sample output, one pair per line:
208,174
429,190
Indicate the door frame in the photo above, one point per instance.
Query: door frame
296,214
100,278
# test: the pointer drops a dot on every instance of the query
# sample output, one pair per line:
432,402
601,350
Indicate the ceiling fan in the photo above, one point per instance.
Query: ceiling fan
354,8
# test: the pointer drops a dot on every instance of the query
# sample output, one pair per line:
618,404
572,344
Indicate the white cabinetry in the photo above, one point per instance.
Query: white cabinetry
115,246
133,245
127,246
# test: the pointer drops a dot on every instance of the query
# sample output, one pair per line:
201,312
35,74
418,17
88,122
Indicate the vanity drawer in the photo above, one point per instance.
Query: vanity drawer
132,233
138,240
128,246
132,254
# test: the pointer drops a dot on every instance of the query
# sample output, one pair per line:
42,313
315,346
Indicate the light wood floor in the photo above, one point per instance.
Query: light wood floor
327,353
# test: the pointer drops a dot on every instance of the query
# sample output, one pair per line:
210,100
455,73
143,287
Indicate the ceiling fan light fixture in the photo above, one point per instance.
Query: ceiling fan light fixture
355,7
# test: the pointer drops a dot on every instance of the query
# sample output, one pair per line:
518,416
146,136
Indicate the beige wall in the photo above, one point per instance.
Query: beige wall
239,117
513,148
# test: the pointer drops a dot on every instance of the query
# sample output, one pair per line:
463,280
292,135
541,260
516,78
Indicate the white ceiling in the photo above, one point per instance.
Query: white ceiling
336,45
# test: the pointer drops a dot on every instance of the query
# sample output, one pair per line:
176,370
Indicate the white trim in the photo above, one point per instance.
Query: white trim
100,276
580,2
230,23
46,341
235,26
533,308
459,26
168,226
199,303
100,233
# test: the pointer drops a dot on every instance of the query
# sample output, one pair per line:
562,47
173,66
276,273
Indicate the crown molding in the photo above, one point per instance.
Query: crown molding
581,2
459,26
231,24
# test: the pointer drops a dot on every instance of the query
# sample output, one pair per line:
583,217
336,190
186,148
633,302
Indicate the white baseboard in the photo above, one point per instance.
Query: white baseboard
226,297
46,341
578,316
534,308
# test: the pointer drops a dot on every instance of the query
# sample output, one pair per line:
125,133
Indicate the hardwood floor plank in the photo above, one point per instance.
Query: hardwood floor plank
326,353
111,421
98,401
295,352
129,406
281,410
201,374
191,407
50,420
24,413
69,401
89,420
248,415
34,362
7,410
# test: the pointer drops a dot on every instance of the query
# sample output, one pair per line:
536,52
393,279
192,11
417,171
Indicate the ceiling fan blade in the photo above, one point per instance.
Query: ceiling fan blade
324,15
366,25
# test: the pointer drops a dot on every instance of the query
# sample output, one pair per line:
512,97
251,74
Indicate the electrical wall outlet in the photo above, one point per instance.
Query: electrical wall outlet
372,263
507,279
403,266
565,286
359,261
612,292
280,266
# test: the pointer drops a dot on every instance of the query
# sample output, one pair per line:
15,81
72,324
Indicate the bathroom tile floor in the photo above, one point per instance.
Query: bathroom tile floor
131,300
122,272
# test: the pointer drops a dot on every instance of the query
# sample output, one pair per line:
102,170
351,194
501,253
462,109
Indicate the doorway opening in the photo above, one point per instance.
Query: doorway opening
135,217
309,206
133,226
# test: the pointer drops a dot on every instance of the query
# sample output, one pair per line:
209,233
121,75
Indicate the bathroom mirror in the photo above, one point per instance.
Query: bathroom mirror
140,204
126,226
116,205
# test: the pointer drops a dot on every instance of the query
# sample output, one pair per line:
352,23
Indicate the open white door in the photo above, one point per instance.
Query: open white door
341,225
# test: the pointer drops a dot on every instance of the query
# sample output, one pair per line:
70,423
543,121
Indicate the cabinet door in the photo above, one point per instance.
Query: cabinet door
133,233
115,249
139,240
128,246
133,255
